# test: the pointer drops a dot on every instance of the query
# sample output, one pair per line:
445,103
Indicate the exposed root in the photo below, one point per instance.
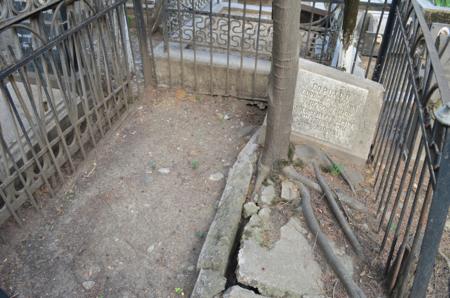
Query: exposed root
291,173
262,174
344,175
351,287
338,213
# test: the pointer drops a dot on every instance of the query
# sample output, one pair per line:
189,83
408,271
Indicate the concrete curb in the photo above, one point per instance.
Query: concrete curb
213,260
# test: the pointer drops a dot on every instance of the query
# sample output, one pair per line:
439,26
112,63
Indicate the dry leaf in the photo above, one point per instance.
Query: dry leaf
180,94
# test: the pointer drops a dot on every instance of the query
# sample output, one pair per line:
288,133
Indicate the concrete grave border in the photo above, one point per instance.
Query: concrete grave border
217,248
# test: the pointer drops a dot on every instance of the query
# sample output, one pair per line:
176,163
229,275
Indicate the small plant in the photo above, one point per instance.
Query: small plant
335,169
194,164
152,165
179,291
200,234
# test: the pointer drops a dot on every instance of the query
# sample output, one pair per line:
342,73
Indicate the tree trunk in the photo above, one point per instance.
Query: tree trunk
285,54
349,23
348,51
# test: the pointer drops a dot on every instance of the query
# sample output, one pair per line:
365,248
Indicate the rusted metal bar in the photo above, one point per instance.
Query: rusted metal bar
142,36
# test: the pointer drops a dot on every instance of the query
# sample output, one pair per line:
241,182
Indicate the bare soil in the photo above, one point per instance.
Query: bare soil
119,221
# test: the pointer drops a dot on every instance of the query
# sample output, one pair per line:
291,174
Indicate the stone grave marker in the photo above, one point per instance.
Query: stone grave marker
336,109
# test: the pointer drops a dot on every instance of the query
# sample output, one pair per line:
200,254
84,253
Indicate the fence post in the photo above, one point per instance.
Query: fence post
386,38
142,37
436,217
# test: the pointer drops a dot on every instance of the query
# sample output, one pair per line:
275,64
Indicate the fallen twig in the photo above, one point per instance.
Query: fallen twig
351,287
91,171
338,213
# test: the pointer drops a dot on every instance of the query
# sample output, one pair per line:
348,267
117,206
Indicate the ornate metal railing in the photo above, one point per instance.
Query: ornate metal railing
239,35
411,153
246,28
65,78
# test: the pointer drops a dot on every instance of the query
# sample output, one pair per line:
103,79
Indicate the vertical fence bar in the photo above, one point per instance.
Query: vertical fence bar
242,49
435,225
386,38
142,37
257,49
166,37
194,48
327,30
308,36
375,40
211,77
360,36
227,78
180,32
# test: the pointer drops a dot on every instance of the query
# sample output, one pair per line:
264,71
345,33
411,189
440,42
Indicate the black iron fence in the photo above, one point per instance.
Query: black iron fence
68,68
65,78
225,47
410,153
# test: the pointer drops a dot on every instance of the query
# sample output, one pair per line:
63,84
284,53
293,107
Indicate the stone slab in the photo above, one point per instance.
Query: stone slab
238,292
286,269
335,108
209,284
219,241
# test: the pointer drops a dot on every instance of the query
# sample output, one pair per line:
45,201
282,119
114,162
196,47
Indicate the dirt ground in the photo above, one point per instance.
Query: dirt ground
131,221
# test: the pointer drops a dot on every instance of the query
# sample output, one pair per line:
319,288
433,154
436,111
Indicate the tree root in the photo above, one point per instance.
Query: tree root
446,259
291,173
338,213
261,175
351,287
344,175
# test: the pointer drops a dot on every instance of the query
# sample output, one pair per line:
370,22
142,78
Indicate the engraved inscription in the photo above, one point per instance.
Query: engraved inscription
327,109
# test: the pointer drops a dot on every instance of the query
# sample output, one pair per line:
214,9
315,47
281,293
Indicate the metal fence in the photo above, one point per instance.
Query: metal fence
68,68
410,153
225,47
66,74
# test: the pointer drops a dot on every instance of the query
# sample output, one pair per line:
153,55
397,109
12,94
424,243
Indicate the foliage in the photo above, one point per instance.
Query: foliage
179,291
335,169
442,3
194,164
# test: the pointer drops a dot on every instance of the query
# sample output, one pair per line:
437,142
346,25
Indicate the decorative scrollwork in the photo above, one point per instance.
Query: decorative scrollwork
250,35
222,32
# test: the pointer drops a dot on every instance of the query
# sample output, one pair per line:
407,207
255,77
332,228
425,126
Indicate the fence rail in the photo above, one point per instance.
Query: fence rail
410,153
224,47
66,74
68,68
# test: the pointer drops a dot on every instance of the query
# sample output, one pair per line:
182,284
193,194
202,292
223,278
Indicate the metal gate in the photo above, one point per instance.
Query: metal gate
66,76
